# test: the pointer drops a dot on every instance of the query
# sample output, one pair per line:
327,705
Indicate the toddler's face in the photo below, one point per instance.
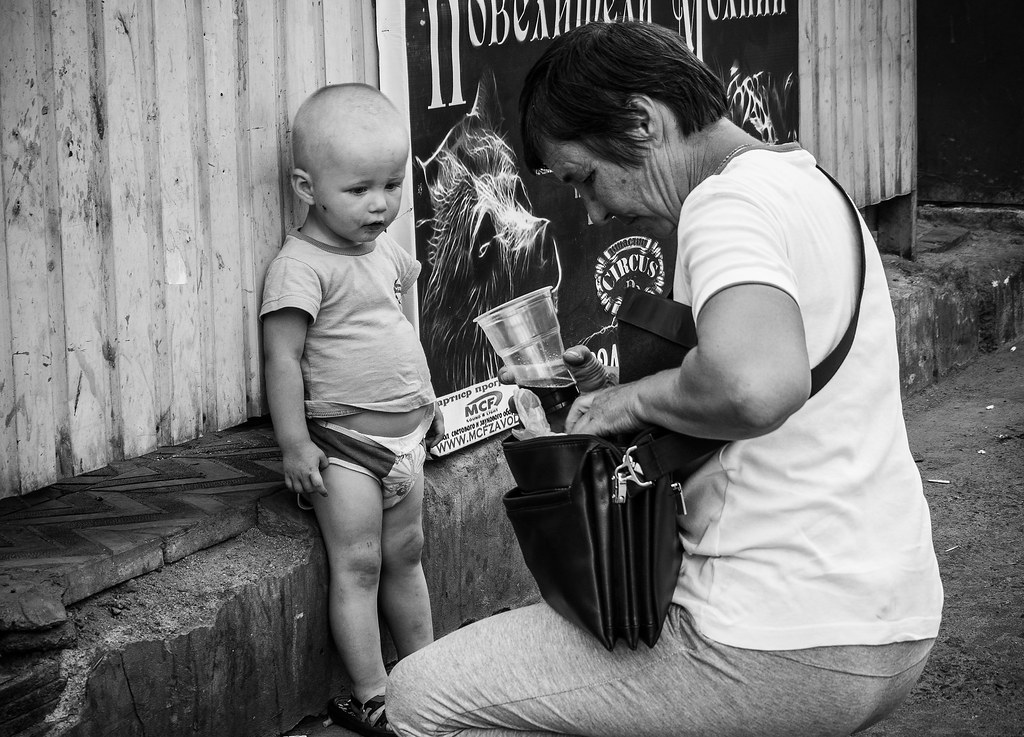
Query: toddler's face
358,189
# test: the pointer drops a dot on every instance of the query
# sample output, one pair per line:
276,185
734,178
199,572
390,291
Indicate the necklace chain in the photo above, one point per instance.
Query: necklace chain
732,153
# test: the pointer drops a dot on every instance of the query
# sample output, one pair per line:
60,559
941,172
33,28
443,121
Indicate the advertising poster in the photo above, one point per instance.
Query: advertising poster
488,230
753,46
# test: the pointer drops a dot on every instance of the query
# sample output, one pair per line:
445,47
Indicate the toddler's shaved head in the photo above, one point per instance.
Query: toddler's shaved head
339,113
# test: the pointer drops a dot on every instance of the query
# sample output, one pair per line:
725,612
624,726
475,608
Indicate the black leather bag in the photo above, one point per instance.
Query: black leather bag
600,540
596,517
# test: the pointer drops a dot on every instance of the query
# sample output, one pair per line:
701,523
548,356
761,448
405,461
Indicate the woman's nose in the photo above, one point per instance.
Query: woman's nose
597,212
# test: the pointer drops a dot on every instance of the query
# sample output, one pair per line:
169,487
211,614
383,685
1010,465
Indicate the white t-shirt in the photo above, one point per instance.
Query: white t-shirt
361,352
817,533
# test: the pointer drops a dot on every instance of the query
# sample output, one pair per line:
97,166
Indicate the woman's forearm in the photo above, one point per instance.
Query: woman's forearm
703,399
748,373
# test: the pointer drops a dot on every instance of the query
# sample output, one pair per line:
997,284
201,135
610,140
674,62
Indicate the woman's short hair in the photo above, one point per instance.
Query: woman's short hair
581,89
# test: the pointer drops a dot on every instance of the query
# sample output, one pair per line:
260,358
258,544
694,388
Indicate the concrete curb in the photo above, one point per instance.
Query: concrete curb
231,640
951,305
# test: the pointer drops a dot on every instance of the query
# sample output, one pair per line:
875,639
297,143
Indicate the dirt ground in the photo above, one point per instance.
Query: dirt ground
967,430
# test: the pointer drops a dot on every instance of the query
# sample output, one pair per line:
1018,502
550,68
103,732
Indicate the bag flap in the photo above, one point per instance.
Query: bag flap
548,462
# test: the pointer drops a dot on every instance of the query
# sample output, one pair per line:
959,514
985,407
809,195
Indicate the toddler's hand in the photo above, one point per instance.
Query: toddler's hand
302,466
436,430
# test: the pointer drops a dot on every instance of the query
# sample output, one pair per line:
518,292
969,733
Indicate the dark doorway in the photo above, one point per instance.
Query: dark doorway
970,102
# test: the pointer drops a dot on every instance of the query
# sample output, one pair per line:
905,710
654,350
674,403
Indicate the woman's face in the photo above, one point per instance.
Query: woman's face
630,195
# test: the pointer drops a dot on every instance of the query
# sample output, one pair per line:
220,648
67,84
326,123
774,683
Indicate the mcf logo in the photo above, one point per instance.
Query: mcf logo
483,404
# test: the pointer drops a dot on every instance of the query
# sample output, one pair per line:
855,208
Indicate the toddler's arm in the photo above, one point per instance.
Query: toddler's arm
284,336
436,431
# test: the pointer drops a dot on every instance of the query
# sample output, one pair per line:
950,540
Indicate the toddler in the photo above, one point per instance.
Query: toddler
348,385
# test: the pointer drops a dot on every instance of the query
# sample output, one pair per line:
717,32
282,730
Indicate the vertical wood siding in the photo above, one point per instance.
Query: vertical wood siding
858,96
143,170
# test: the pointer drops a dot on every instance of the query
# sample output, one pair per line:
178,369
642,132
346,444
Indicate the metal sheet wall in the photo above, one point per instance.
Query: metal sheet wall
858,95
143,171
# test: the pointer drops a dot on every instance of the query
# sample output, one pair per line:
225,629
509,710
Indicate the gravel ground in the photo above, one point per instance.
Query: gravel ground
969,430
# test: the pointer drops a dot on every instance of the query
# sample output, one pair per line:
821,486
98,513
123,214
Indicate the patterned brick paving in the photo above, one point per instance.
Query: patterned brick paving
77,537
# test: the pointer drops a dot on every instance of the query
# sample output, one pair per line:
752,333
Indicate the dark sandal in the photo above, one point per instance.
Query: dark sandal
367,719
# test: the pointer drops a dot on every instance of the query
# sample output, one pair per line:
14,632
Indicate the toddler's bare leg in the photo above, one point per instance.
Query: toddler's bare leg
403,587
350,522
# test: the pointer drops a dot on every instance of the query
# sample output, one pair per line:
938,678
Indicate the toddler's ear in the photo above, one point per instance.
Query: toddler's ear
302,183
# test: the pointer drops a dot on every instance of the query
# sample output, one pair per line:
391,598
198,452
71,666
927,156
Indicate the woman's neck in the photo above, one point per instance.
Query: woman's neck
718,144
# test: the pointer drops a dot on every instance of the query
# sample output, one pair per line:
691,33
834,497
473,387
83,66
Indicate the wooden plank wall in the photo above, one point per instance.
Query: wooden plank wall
143,170
858,96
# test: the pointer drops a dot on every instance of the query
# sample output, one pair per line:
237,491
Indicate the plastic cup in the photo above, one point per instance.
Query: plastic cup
524,332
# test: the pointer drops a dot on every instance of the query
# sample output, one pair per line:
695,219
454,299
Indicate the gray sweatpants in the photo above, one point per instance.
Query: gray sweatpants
528,671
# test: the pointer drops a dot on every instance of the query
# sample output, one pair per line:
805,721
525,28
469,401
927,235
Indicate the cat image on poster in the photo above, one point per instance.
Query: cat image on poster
761,105
485,246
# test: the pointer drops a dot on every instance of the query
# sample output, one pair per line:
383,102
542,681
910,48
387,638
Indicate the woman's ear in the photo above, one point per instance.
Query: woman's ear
647,116
302,184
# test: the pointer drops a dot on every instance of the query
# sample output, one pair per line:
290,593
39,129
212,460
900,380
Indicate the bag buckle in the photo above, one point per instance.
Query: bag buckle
620,491
677,491
628,470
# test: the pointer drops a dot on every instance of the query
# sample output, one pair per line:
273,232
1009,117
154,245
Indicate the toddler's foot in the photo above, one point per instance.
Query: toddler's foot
365,718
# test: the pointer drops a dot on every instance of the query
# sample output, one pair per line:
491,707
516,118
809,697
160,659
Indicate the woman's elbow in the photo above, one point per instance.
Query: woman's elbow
762,404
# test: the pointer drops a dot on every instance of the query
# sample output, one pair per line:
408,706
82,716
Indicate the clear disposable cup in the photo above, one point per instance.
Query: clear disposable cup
524,332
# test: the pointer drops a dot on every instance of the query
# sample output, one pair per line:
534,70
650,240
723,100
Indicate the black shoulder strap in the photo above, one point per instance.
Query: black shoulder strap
659,454
674,321
825,370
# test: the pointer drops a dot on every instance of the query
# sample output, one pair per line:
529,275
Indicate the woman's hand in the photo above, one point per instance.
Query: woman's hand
590,374
605,412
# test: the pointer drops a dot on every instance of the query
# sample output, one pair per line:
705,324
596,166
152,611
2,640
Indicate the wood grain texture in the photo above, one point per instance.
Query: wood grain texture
33,415
219,181
145,154
125,117
145,158
84,262
857,93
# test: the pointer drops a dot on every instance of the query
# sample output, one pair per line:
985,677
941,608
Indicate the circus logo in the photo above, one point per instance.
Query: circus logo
636,262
